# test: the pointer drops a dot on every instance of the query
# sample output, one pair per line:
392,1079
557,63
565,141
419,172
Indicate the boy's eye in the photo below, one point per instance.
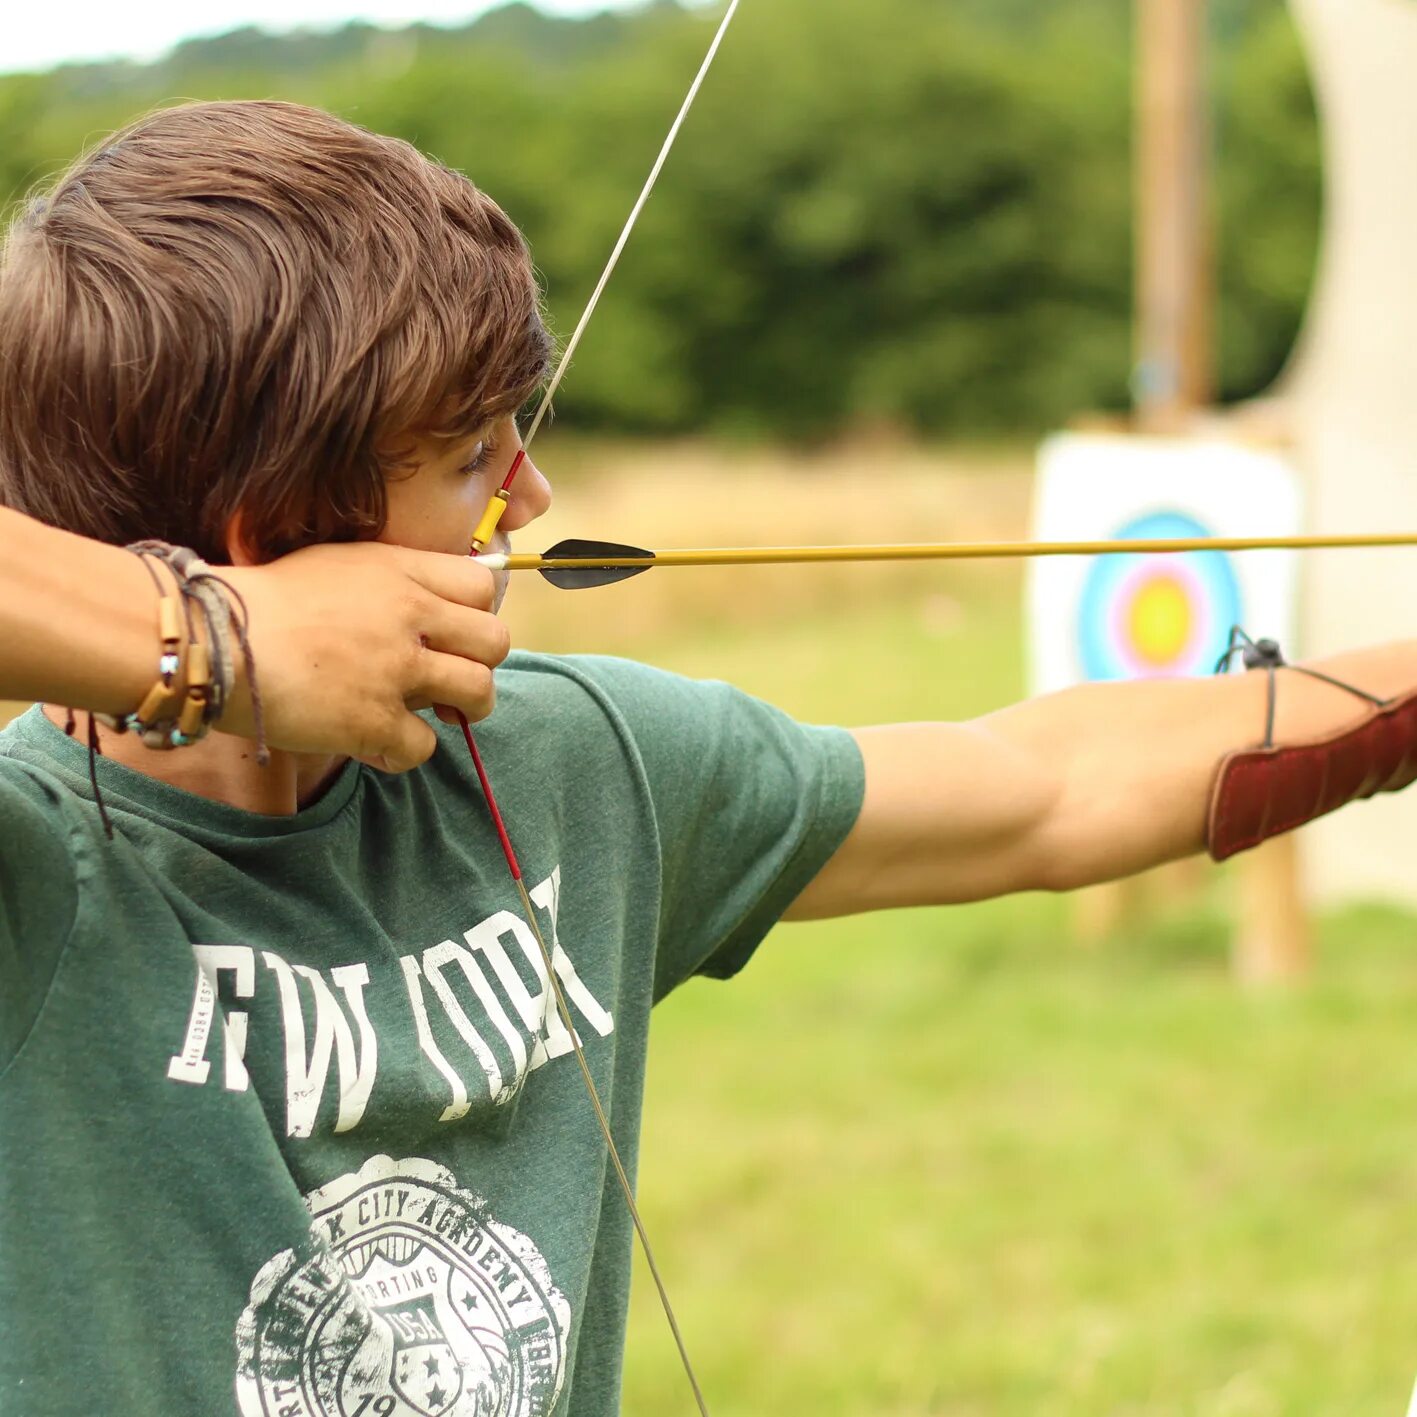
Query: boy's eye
482,454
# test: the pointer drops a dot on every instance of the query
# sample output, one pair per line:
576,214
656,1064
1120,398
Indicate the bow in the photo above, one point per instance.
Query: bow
487,526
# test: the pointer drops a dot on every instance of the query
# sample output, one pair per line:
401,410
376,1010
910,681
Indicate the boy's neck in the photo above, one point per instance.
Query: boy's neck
220,768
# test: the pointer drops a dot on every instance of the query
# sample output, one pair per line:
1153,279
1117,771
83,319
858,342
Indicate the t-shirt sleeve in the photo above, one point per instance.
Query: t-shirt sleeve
38,901
748,805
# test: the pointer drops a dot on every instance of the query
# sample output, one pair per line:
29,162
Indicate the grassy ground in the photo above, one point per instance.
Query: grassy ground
948,1162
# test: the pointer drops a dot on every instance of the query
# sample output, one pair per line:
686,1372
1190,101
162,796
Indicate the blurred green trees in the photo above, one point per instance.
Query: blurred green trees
915,214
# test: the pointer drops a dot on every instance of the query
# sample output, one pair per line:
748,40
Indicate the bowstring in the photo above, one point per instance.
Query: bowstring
557,994
553,982
624,239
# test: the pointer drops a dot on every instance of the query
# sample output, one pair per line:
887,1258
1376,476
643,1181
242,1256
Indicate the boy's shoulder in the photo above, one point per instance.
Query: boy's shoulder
582,692
597,674
28,774
604,684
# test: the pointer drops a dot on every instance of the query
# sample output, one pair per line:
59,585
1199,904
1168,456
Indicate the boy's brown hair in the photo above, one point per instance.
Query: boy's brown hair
246,306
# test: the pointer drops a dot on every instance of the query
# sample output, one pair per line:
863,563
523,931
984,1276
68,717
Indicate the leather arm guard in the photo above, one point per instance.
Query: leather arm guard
1265,791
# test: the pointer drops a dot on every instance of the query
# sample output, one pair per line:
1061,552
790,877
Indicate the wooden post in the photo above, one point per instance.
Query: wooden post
1172,300
1272,928
1175,295
1173,379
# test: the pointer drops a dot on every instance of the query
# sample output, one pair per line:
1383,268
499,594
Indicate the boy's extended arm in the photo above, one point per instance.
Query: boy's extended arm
1072,789
348,640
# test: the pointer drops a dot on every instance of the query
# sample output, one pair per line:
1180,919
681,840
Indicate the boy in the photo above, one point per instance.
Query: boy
289,1122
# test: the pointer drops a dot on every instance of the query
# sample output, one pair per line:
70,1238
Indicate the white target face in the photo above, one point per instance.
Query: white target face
1147,615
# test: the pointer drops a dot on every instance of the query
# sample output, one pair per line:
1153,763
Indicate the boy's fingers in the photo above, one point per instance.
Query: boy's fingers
458,579
350,639
408,743
455,683
475,635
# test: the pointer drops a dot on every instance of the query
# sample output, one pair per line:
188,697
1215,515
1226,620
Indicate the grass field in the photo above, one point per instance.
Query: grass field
948,1162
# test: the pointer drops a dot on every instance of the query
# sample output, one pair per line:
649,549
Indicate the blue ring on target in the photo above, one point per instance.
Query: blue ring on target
1151,615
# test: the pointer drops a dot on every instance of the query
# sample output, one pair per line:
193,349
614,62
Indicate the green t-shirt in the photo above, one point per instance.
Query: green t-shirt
286,1125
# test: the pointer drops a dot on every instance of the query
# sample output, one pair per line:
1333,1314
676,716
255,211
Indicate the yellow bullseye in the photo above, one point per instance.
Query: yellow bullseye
1159,621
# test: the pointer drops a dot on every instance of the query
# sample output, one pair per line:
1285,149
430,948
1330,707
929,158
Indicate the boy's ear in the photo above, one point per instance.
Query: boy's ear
238,548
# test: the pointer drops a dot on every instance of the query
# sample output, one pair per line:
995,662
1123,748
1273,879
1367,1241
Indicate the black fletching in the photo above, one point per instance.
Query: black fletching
584,577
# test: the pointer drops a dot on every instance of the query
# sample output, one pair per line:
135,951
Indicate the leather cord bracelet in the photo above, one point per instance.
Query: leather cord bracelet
172,714
196,674
227,618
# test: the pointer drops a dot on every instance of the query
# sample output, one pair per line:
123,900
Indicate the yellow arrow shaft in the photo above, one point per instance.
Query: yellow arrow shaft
961,551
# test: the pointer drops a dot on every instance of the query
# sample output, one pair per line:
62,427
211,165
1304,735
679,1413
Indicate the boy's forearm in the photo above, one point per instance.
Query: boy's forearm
77,619
1135,763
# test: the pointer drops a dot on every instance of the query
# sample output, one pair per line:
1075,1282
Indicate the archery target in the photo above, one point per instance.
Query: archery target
1145,616
1150,615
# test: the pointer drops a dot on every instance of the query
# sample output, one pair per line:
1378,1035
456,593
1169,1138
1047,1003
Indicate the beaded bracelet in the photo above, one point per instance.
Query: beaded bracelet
172,717
169,717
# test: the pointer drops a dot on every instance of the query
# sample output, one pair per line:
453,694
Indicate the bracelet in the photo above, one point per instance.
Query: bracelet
169,716
176,717
156,719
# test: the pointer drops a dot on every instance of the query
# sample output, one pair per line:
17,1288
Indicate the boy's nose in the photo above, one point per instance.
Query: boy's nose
531,496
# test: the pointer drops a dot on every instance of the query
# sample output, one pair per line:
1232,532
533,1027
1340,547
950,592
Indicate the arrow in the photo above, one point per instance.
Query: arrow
579,565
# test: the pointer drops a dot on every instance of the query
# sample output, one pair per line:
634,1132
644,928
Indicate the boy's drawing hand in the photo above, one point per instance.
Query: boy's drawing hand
350,640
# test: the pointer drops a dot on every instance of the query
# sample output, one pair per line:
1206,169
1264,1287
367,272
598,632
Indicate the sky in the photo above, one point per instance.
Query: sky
40,35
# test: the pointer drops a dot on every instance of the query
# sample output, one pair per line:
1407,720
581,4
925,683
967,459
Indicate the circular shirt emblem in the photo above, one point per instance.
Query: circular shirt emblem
415,1303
